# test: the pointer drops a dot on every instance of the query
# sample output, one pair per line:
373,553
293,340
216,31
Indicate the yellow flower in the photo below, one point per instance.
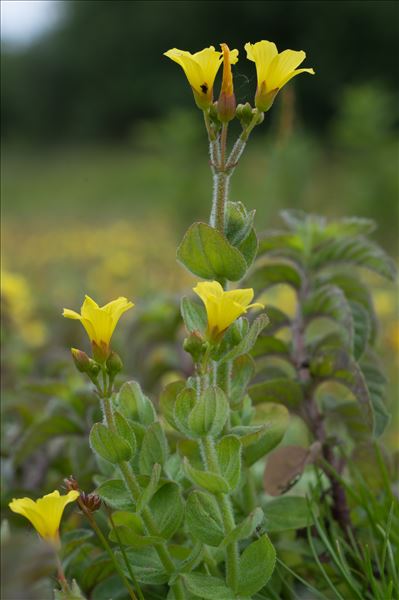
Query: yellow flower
223,308
273,70
227,102
201,69
45,513
100,322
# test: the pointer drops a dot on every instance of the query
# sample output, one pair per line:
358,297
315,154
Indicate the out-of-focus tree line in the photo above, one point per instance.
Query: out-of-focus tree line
101,69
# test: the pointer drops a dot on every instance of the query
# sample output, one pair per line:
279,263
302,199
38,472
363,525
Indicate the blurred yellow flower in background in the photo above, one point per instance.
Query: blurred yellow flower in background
201,69
45,513
223,308
100,322
273,70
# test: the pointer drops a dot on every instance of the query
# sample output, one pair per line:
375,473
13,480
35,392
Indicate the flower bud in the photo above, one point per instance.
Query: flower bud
195,345
114,364
84,363
91,501
244,114
226,106
71,483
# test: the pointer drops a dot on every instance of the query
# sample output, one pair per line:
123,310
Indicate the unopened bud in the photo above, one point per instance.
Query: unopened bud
71,483
195,345
226,106
91,501
244,114
84,363
114,364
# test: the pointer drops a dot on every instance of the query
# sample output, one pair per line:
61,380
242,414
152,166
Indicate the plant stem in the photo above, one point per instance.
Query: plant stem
340,509
89,516
60,574
134,488
208,451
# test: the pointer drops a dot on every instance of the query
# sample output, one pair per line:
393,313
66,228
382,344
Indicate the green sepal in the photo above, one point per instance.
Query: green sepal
239,222
109,445
206,252
248,341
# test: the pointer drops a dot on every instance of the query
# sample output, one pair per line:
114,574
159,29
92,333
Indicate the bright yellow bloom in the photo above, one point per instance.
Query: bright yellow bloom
273,70
45,513
223,308
100,322
227,101
201,69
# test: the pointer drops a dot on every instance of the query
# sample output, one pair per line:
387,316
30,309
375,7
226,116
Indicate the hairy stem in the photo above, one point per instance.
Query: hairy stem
208,451
134,489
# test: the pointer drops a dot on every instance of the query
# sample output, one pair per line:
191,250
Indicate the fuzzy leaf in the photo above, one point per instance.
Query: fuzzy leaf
204,519
167,509
267,275
272,422
281,391
194,315
207,587
114,493
209,413
206,252
249,340
109,445
245,529
376,385
134,405
167,401
151,488
269,345
212,482
249,247
184,404
125,430
154,448
361,329
359,251
330,302
287,512
146,566
239,222
229,455
257,563
242,371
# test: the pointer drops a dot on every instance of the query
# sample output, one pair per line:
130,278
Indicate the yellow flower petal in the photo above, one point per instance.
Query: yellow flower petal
100,322
44,514
223,308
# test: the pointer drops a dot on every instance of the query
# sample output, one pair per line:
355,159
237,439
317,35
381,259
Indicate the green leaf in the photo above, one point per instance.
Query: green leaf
249,340
109,445
256,566
125,430
330,302
110,588
151,488
288,512
359,251
269,345
134,405
249,247
42,431
167,401
376,385
281,391
114,493
135,540
245,529
277,319
229,455
209,413
185,402
243,369
349,227
282,243
203,517
146,566
207,587
206,252
167,509
267,275
335,364
212,482
239,222
154,448
361,329
273,422
194,315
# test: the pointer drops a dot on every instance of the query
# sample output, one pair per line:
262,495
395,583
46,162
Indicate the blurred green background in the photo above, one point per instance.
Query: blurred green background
104,154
